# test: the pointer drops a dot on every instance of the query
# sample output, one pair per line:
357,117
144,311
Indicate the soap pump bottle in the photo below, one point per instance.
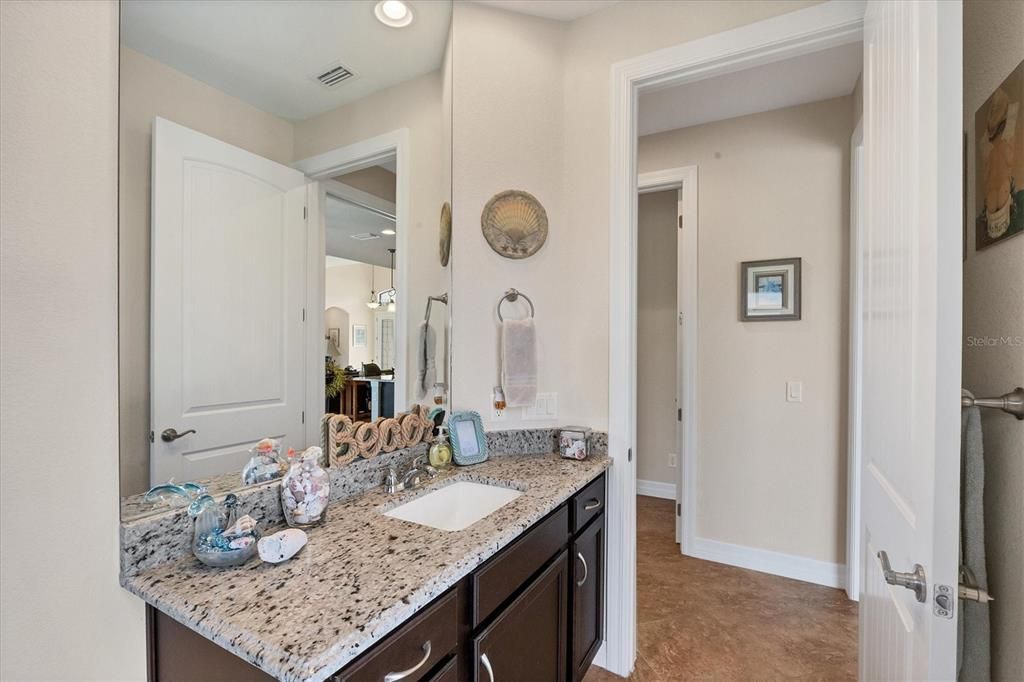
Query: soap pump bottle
440,454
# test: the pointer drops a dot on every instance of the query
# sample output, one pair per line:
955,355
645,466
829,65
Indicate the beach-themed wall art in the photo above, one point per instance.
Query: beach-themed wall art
359,336
514,224
999,145
770,290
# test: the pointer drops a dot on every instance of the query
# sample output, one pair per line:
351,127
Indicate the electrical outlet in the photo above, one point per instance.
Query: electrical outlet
672,460
794,392
544,407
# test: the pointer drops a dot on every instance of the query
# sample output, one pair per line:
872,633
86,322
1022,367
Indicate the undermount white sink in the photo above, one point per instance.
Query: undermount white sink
456,506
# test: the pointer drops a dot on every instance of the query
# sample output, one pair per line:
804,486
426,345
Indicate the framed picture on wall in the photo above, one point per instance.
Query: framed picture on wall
999,166
334,336
770,290
359,336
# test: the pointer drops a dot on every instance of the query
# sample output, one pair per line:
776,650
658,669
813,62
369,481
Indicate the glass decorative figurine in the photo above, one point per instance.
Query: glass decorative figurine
219,537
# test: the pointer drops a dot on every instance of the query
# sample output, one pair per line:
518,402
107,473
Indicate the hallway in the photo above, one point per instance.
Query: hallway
702,620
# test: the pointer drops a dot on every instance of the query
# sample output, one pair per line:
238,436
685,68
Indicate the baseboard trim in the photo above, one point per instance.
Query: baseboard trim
766,561
666,491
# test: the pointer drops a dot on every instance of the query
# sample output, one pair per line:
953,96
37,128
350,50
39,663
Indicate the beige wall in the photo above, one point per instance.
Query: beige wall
63,614
532,111
150,89
772,185
994,307
380,182
416,105
656,422
508,135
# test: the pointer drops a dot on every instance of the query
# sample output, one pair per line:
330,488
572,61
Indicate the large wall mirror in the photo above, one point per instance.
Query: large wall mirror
285,182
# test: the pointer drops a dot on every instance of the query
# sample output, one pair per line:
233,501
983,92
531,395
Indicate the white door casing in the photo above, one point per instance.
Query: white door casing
228,290
853,436
911,255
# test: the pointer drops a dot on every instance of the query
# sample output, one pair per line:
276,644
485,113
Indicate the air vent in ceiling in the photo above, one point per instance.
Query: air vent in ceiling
365,236
333,75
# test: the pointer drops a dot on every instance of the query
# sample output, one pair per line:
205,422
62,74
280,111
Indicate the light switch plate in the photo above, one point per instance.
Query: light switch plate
794,392
545,407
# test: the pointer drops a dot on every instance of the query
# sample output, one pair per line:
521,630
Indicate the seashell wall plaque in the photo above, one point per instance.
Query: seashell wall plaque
446,233
514,224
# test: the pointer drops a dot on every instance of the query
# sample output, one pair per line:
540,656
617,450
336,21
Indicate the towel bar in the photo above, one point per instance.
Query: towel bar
1010,403
443,298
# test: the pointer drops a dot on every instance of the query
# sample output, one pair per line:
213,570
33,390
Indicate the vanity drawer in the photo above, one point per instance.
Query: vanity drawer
436,629
512,567
588,503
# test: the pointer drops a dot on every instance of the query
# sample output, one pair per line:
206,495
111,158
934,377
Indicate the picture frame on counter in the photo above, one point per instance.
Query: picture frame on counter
469,443
770,290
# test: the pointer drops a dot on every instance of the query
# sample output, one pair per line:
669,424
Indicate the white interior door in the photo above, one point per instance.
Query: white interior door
228,290
911,254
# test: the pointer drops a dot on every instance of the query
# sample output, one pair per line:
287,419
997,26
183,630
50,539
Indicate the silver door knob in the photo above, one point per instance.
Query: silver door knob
912,581
171,435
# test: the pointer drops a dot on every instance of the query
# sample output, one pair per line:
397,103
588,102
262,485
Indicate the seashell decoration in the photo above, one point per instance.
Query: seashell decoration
305,490
281,546
514,223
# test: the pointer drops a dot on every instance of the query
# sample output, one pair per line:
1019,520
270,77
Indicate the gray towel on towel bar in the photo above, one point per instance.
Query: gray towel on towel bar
973,655
519,362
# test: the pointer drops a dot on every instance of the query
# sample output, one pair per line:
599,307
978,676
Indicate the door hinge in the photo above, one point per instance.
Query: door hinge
629,455
680,222
152,437
305,213
680,318
679,509
303,416
679,414
303,314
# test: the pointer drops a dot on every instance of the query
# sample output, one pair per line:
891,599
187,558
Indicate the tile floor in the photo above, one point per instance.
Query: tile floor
707,621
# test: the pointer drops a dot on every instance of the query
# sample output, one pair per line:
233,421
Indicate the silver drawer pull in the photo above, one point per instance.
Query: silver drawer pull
487,666
394,677
592,504
582,580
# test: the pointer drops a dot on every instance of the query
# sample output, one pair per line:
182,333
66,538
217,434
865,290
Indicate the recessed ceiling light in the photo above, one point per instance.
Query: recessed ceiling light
387,232
394,13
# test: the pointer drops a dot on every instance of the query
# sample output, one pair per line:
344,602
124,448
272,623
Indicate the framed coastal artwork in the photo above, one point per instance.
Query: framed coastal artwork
359,336
770,290
999,164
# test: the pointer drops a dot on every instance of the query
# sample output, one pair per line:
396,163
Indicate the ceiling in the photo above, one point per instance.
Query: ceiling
344,220
268,53
561,10
800,80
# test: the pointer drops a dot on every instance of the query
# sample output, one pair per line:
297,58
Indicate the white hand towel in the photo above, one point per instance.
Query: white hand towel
426,352
519,362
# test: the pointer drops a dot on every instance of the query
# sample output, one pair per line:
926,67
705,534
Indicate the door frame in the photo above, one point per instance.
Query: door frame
353,157
856,380
685,180
789,35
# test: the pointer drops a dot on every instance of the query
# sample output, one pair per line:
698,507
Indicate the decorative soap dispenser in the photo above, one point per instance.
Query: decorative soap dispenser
305,490
440,454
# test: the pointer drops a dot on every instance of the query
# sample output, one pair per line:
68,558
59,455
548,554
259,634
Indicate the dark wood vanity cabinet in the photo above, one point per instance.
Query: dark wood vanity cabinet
587,576
534,611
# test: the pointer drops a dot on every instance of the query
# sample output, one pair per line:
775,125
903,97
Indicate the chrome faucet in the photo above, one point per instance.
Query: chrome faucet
417,475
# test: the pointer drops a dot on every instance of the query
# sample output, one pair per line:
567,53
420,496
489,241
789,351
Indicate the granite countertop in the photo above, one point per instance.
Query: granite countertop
361,575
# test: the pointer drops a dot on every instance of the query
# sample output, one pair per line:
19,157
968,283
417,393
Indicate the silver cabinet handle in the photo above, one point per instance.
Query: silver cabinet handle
487,666
912,581
592,504
586,572
171,435
394,677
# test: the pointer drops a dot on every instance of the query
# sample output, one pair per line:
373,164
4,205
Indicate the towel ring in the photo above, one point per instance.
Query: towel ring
512,295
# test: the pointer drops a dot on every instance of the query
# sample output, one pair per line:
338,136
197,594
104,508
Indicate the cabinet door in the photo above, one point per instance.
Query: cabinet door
587,561
527,640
